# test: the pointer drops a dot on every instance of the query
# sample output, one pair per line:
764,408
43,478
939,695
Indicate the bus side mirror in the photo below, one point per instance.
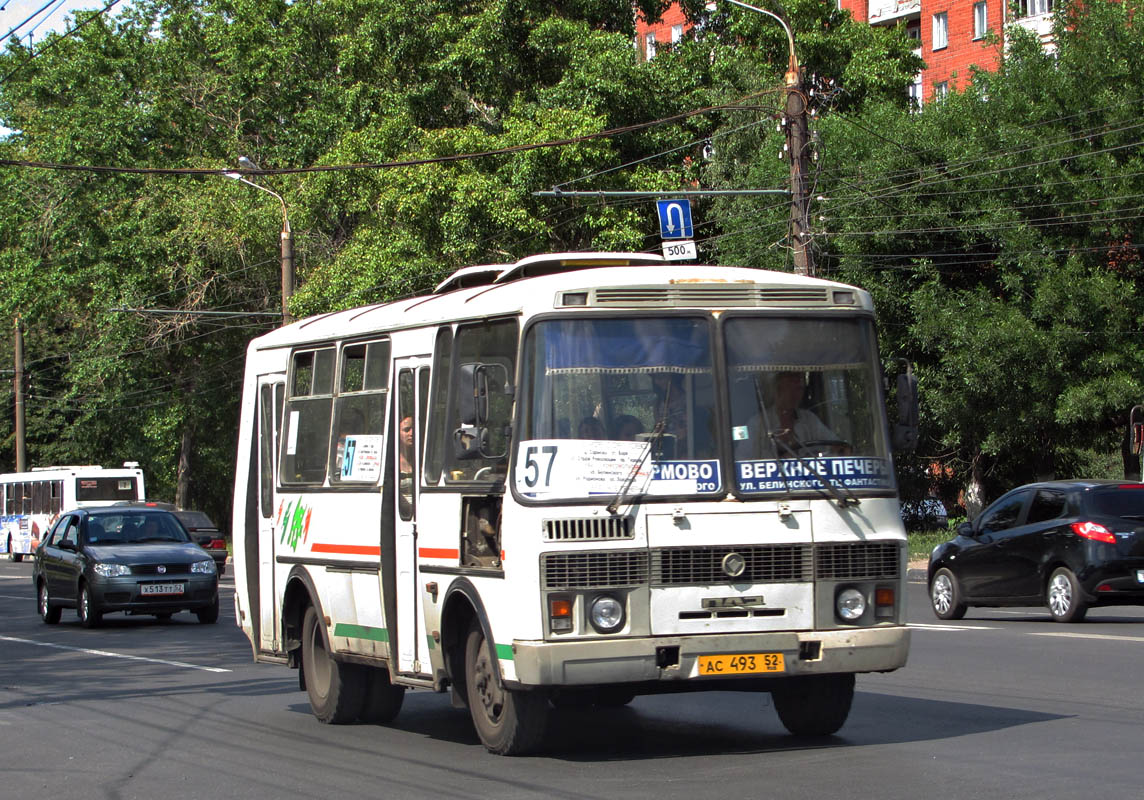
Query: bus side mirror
472,395
906,430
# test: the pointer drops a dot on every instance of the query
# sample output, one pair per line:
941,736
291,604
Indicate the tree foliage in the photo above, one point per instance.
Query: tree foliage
998,230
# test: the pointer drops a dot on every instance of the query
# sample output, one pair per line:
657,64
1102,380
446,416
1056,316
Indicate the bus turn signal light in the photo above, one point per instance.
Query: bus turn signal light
560,614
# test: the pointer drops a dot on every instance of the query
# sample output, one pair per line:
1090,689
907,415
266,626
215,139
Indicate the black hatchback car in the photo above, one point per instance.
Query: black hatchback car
119,558
1068,545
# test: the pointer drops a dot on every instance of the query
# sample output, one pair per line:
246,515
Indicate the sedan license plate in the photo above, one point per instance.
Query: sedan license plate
741,663
152,589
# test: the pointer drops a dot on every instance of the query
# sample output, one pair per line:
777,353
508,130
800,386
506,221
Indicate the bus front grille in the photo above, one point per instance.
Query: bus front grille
777,563
593,570
705,566
859,561
592,529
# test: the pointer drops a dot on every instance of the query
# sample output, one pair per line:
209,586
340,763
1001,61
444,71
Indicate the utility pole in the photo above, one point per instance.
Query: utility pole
287,236
794,119
798,139
21,448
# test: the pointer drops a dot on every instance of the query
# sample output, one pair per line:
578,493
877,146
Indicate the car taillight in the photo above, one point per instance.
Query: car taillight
217,544
1094,531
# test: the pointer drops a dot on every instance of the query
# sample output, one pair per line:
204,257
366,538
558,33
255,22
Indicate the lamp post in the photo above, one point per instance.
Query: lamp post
287,237
797,137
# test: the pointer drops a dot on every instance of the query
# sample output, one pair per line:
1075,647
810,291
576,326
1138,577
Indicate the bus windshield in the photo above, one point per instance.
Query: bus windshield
629,406
805,404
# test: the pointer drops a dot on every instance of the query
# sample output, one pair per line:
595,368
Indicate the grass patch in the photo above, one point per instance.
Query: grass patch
921,543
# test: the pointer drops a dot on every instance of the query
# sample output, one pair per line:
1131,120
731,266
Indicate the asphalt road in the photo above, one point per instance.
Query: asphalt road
1004,704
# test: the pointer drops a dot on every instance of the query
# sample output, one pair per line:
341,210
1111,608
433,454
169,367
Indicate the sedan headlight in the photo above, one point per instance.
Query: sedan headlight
205,567
111,570
850,604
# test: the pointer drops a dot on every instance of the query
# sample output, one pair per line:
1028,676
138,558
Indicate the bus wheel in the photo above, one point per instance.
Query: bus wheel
13,555
89,614
49,613
335,689
815,705
382,699
508,722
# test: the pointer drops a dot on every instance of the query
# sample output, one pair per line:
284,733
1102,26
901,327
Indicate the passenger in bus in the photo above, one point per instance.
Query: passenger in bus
591,428
788,426
628,427
405,464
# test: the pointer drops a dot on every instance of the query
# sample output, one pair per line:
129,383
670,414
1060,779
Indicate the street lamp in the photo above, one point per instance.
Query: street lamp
797,138
287,237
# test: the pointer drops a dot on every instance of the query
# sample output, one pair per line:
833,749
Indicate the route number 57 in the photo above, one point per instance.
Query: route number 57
533,467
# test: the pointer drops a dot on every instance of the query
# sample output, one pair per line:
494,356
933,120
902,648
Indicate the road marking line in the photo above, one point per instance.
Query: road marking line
1106,637
18,597
112,655
926,627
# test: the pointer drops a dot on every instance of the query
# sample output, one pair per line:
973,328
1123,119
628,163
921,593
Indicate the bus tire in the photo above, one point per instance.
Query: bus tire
508,722
382,699
814,705
336,690
90,615
12,554
49,612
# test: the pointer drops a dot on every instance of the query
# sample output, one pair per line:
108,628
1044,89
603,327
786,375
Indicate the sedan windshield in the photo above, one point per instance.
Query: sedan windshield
134,528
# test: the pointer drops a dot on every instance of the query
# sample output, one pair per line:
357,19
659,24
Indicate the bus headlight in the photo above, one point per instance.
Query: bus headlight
850,604
606,614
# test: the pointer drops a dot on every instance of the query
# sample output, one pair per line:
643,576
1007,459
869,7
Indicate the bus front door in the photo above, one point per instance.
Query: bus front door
412,381
262,567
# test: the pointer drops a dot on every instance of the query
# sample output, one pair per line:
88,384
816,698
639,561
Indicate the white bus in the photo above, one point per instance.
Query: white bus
31,501
569,481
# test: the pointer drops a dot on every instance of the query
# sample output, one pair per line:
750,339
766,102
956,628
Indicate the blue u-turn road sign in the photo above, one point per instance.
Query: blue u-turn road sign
674,219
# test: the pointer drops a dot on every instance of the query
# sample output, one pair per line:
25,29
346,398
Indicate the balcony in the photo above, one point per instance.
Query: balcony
884,12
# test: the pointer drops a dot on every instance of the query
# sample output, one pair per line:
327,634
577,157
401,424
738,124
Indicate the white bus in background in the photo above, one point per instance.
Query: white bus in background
573,480
31,501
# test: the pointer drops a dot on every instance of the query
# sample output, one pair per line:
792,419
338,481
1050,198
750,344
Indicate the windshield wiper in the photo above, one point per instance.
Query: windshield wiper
652,443
849,499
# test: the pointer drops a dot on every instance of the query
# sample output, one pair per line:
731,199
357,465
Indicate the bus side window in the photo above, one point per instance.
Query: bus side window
306,434
359,408
494,346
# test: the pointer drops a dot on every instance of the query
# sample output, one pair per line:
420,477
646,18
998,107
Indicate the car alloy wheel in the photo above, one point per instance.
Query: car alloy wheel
1064,597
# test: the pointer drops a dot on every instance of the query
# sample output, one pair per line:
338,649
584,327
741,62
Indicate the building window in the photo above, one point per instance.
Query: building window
915,94
941,90
1033,8
940,30
649,46
980,20
676,33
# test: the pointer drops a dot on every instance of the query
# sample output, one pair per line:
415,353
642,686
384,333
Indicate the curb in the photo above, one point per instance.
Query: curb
916,575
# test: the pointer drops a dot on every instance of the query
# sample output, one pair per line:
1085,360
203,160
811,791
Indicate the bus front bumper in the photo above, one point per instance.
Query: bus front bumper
676,658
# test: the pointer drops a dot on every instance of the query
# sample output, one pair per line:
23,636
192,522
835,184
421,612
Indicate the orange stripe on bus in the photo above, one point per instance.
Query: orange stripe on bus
438,552
347,549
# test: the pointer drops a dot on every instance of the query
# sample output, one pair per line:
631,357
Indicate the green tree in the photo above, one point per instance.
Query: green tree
999,231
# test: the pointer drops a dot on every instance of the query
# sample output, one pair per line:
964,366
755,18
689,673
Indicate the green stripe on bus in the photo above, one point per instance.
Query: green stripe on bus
361,632
504,651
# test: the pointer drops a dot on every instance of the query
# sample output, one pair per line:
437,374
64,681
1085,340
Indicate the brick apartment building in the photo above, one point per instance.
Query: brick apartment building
952,35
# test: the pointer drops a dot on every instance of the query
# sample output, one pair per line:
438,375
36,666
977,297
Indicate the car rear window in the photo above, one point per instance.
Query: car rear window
195,519
1118,502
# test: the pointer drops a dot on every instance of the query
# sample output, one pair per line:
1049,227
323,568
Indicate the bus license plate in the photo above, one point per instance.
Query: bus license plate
741,663
151,589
